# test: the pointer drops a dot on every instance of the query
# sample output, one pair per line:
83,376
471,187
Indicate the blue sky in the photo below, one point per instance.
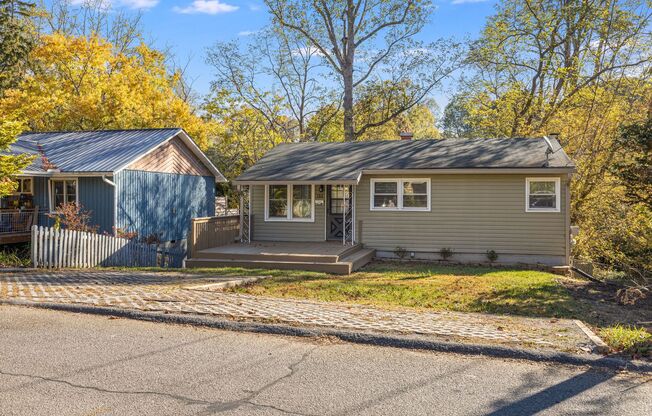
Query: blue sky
188,27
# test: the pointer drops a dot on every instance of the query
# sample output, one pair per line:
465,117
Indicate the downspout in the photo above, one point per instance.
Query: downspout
105,179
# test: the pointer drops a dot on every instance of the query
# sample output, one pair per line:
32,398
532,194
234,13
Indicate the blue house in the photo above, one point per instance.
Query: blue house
151,182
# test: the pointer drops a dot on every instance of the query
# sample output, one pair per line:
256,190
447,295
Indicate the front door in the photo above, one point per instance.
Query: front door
335,211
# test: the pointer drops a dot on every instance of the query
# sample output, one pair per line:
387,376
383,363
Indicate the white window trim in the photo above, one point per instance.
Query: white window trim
557,194
289,217
51,193
399,189
20,186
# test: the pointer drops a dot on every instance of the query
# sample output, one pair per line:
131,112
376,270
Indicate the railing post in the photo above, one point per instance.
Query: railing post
191,239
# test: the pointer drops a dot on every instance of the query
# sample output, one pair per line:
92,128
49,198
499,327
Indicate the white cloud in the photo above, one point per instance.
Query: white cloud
255,7
206,7
467,1
139,4
307,50
247,32
132,4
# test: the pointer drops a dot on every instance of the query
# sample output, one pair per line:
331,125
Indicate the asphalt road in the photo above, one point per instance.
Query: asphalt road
57,363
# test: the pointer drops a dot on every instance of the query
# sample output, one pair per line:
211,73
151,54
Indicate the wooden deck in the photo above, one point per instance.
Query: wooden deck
12,238
328,257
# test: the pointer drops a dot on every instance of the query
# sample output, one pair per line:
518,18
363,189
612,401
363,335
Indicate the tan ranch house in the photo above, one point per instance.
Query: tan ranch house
410,198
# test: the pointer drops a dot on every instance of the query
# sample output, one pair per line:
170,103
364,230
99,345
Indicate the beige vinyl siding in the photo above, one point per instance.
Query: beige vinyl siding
284,230
469,214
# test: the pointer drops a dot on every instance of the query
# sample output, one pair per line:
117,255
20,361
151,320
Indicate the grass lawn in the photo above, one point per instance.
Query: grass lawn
457,288
429,286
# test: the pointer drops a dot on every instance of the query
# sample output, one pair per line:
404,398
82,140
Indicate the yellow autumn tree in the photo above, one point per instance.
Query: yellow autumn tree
83,83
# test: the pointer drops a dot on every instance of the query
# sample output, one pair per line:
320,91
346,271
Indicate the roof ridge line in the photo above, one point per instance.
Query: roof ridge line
99,131
416,140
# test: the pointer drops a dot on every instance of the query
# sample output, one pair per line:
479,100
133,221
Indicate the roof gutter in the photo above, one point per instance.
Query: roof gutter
54,174
443,171
302,182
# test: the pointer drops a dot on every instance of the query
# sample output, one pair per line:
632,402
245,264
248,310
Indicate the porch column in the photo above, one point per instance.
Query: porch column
245,213
348,220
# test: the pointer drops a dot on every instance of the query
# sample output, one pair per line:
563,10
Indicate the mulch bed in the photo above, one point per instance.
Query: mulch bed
604,306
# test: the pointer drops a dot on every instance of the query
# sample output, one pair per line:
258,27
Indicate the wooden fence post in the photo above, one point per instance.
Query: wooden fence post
34,246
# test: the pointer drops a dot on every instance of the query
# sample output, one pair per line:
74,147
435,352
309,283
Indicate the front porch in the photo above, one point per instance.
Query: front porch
323,256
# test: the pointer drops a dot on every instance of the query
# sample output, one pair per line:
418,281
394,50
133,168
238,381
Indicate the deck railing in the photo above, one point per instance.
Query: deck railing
14,221
210,232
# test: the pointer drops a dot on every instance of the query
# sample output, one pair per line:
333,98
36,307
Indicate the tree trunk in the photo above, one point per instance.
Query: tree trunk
349,127
348,50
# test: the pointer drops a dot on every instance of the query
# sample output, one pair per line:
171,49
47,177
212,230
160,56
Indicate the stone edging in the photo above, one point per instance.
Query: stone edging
239,281
359,337
600,346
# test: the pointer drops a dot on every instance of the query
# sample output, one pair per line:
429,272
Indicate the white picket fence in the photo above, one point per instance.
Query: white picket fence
59,248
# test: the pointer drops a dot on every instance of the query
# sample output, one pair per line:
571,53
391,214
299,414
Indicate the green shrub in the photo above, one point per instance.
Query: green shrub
446,253
628,339
492,256
400,252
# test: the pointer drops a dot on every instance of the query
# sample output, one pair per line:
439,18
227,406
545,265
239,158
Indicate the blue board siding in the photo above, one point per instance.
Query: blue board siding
95,195
162,203
41,199
41,192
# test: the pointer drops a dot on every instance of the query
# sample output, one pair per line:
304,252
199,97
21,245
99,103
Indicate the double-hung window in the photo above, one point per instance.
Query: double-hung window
63,191
400,194
542,194
289,203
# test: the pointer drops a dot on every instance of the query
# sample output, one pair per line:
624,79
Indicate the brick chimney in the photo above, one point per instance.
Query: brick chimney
405,135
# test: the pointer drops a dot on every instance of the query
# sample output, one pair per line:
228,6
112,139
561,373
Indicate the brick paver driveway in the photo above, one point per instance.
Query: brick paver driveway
177,293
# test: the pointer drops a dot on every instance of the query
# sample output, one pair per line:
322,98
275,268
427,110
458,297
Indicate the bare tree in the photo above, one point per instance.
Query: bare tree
122,29
361,39
278,74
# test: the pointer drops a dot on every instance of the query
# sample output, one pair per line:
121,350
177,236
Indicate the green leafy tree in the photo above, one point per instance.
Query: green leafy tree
634,167
242,135
10,165
456,119
16,41
17,37
582,69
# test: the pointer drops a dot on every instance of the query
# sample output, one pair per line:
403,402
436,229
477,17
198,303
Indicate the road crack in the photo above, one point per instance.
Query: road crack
186,400
253,394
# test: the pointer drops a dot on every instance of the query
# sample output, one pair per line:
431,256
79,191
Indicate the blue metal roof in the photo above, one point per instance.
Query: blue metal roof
90,151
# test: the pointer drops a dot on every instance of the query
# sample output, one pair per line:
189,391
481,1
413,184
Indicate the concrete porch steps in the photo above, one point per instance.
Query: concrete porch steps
350,261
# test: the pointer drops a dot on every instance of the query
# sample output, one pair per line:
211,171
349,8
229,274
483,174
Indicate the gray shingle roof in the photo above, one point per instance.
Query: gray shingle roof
346,161
90,151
